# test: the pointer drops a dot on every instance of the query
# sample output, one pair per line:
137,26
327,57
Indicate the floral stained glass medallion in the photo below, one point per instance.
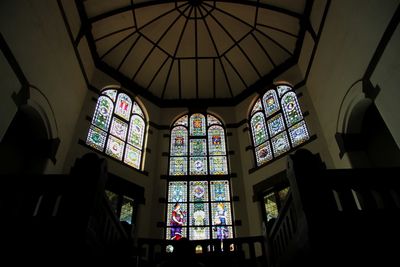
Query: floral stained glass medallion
298,133
119,128
276,124
198,147
198,165
96,138
280,144
115,147
198,191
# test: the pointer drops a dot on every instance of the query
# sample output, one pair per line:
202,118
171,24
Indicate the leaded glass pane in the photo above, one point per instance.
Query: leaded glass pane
181,212
291,108
136,131
198,166
126,210
282,89
177,191
271,208
102,115
178,166
222,232
198,191
119,128
179,140
197,125
280,144
115,147
298,133
271,103
199,214
198,147
182,121
112,93
220,191
263,153
169,232
276,124
123,106
221,213
212,120
257,107
137,110
258,128
218,165
199,233
132,156
96,138
216,140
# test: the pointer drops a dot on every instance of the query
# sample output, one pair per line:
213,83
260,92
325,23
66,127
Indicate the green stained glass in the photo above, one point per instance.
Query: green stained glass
212,120
220,191
263,153
276,124
123,106
298,133
282,89
136,131
218,165
271,103
291,109
198,147
112,93
132,156
198,191
115,147
178,166
257,107
119,128
258,128
198,166
96,138
216,140
197,125
199,214
126,210
102,115
280,144
179,141
177,191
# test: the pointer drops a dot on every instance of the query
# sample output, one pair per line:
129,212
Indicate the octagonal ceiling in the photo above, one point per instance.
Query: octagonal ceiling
205,52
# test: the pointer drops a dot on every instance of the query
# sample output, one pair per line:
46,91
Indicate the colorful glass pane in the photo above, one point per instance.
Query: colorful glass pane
220,191
96,138
115,147
183,209
218,165
199,214
263,153
257,107
216,140
197,125
298,133
123,106
198,147
102,115
222,232
282,89
169,231
212,120
112,93
137,110
276,124
179,141
271,103
221,213
199,233
119,128
132,156
136,131
177,192
198,191
182,121
198,166
280,144
291,108
258,128
178,166
126,210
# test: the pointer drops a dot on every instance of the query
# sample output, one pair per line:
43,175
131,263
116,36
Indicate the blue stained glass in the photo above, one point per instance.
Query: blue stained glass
258,128
178,166
197,125
291,109
276,124
271,103
198,166
198,191
220,191
298,133
103,112
280,144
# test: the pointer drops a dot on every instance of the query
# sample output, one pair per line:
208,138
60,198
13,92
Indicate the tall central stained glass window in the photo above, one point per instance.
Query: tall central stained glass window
199,196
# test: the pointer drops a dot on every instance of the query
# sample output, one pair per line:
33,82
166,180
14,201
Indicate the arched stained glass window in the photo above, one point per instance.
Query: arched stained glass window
199,198
277,123
118,128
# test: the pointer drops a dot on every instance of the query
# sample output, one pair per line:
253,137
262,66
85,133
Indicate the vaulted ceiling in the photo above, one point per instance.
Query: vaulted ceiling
177,53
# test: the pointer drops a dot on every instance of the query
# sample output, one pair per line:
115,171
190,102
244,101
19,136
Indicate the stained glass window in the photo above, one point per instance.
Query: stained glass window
197,160
118,127
277,124
126,210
